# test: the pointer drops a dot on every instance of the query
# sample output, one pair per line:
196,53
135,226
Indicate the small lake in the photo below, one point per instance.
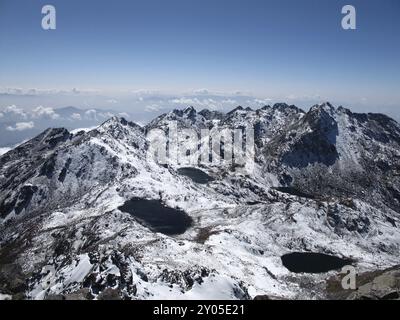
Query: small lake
196,175
309,262
158,217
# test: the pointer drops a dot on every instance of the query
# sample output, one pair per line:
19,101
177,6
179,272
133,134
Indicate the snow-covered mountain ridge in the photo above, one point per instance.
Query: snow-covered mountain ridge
326,180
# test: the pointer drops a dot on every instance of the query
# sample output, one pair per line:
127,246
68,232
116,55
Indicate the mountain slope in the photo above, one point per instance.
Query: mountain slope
66,233
334,152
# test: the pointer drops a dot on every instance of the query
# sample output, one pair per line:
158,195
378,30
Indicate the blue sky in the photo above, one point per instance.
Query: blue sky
282,50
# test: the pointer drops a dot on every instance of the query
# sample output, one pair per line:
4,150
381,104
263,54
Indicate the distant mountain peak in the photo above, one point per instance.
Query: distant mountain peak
211,114
238,108
116,123
189,109
325,106
280,105
284,107
116,120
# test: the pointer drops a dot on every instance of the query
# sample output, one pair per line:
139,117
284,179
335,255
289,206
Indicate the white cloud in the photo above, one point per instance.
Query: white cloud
123,115
145,92
15,110
184,101
20,126
106,115
91,114
44,112
306,97
196,102
76,116
11,91
112,101
262,101
39,92
201,91
229,101
152,108
1,115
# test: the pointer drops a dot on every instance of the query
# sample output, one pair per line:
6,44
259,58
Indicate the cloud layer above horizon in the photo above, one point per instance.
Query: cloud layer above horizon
144,105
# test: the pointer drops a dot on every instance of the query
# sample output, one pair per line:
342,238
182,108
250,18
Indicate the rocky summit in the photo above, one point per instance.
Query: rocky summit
91,216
